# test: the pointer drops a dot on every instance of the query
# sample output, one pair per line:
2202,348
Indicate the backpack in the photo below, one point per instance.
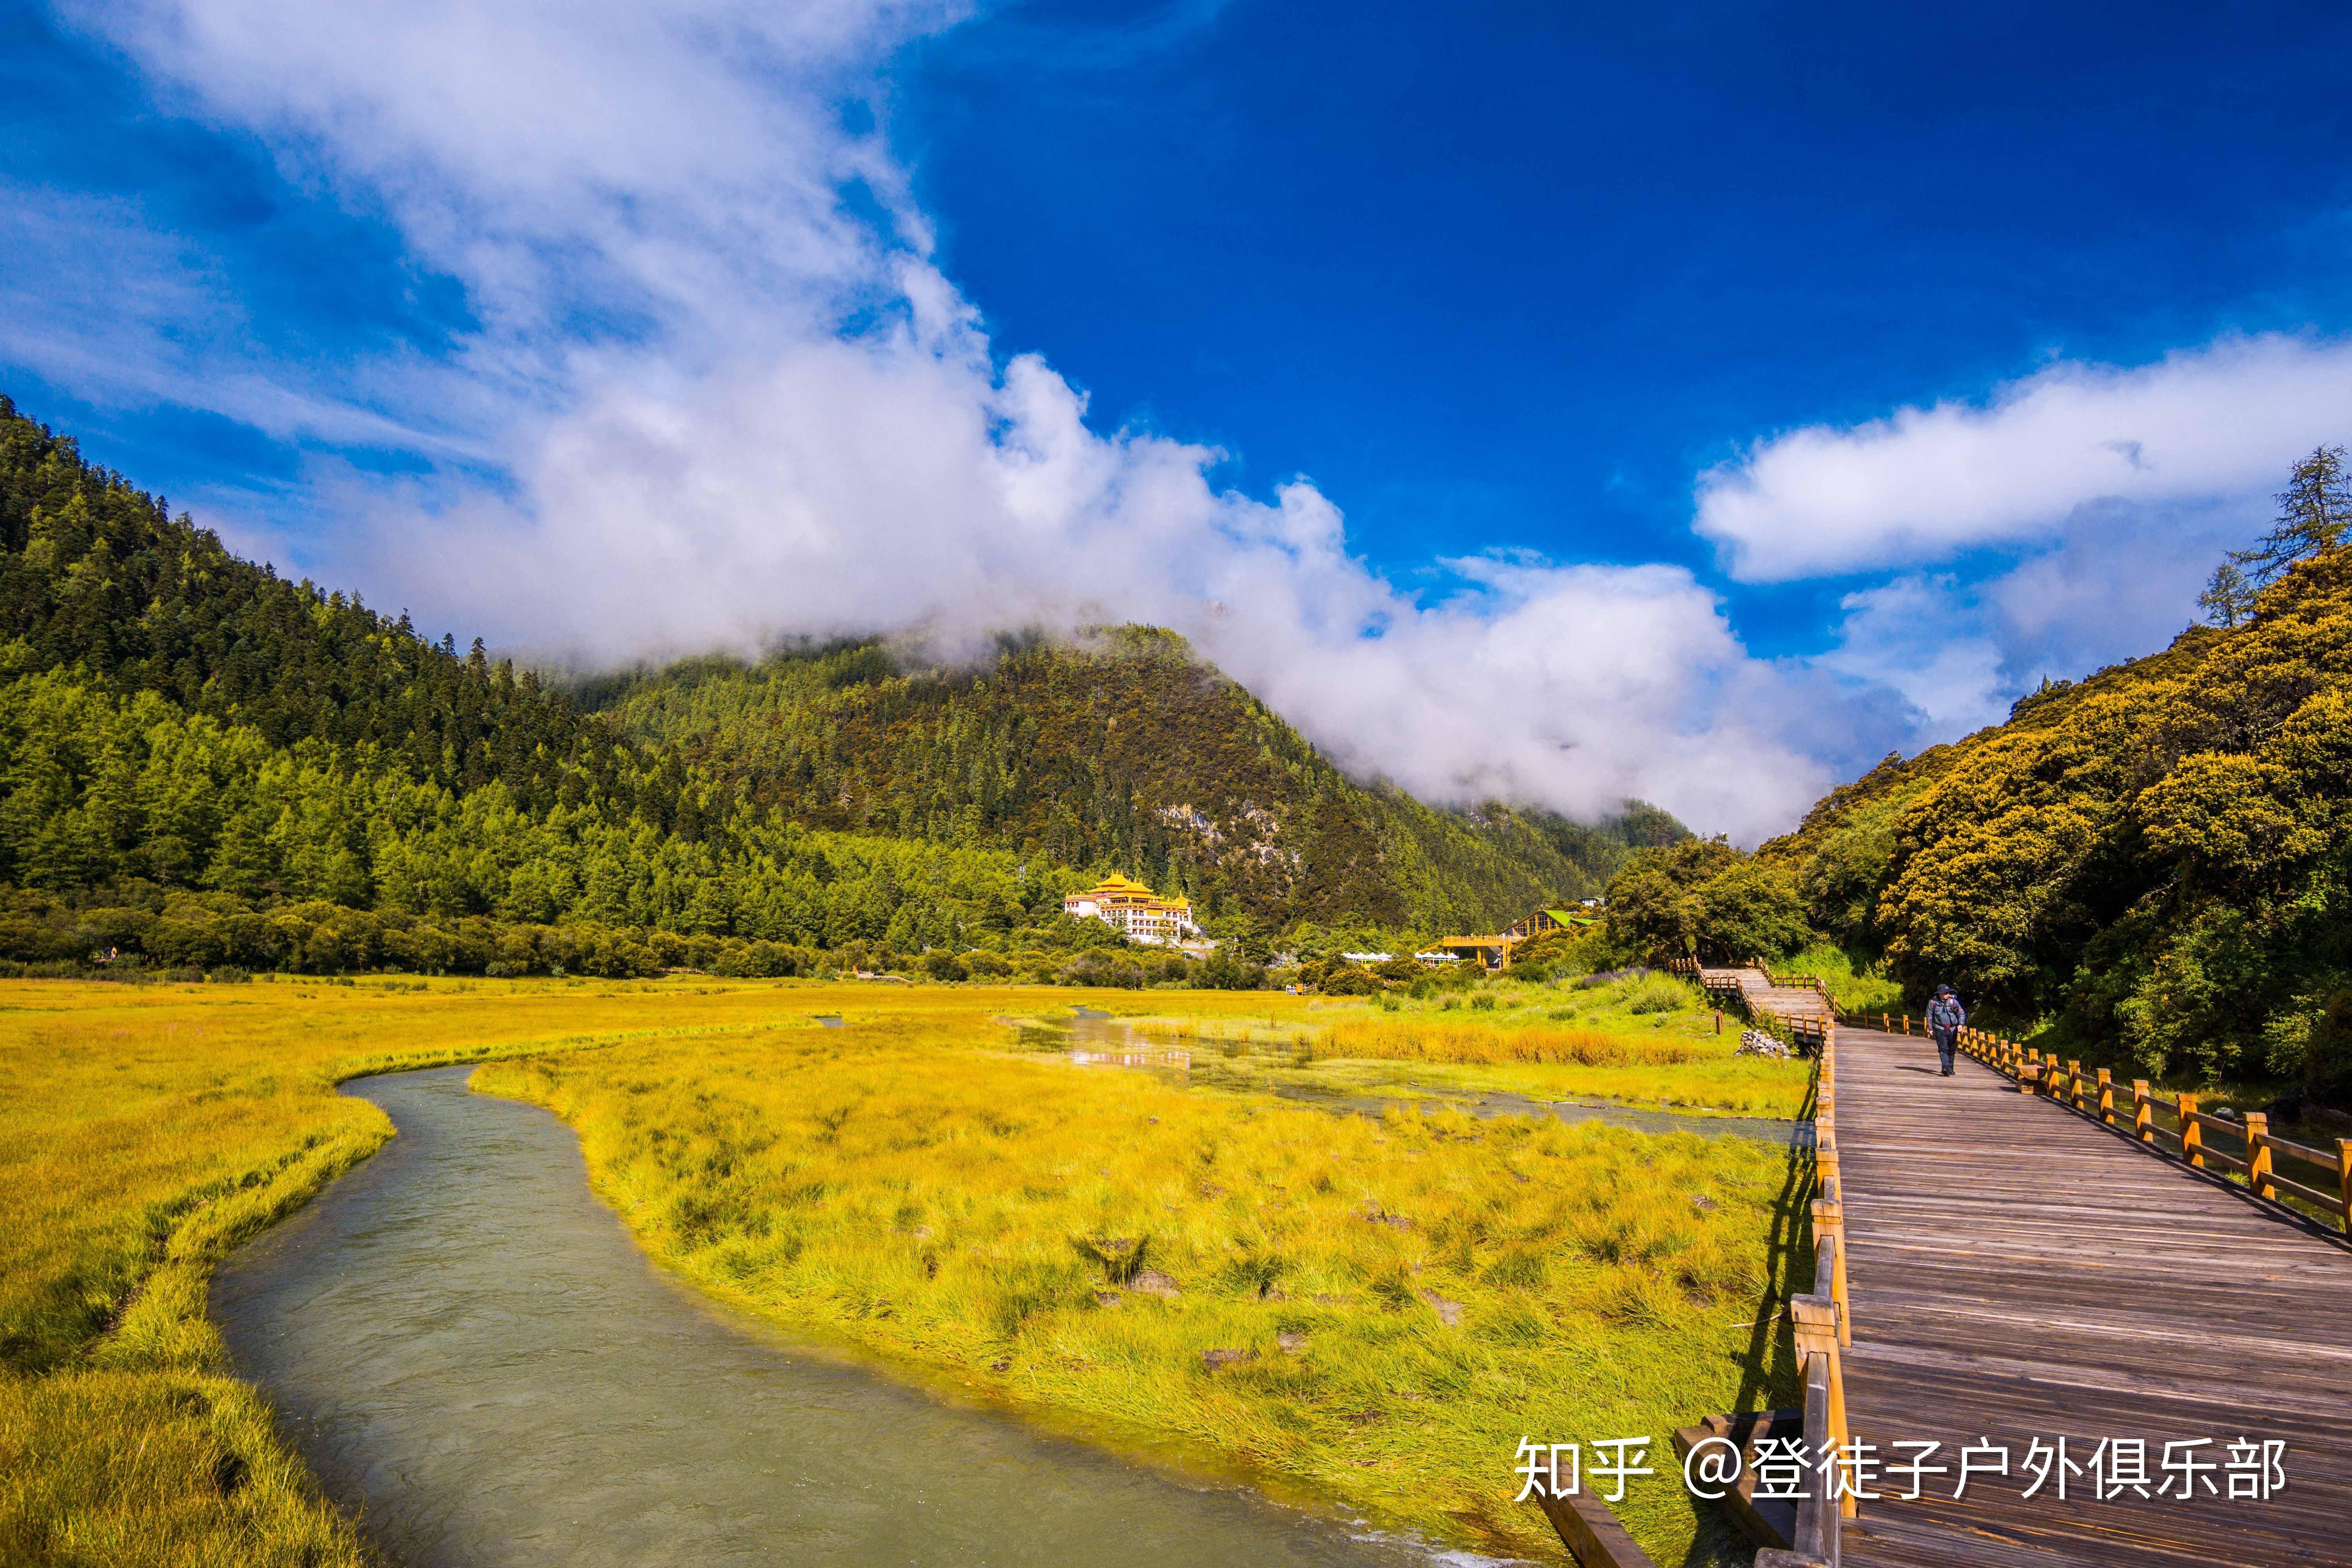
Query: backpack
1946,1012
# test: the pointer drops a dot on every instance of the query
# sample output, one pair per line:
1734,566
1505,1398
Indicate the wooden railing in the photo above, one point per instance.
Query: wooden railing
1806,1029
1813,983
1822,1319
2094,1095
1823,1323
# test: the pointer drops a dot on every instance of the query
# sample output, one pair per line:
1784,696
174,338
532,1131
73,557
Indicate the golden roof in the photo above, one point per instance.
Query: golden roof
1115,886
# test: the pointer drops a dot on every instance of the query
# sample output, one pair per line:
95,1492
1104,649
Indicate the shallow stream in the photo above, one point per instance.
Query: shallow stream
472,1354
1096,1039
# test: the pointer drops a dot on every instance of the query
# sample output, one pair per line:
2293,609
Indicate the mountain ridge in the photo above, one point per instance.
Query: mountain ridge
1122,747
183,725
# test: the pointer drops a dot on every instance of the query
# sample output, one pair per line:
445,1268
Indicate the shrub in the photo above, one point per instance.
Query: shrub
2327,1060
1704,896
1659,993
1226,970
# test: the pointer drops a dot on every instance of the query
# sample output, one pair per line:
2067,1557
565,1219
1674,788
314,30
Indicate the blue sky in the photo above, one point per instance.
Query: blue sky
1528,400
1519,280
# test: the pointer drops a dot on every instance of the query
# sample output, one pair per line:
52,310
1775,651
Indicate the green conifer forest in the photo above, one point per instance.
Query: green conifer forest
206,766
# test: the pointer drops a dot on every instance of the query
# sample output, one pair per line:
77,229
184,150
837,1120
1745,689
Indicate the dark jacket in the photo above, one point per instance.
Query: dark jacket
1946,1012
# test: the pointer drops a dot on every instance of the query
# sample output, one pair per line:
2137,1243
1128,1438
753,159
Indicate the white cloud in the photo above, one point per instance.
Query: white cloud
1924,637
726,407
2218,423
2120,581
720,401
92,296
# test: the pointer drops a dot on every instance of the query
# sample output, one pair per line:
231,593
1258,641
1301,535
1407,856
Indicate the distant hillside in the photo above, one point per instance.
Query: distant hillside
1125,750
207,764
2157,856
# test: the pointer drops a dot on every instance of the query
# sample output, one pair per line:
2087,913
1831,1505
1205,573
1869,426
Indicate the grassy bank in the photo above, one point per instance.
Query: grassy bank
146,1130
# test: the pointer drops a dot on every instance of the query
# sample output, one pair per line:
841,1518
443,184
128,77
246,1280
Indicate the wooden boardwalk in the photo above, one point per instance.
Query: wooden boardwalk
2018,1272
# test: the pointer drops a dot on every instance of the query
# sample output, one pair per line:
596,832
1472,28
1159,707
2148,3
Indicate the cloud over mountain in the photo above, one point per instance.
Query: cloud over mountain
730,396
711,385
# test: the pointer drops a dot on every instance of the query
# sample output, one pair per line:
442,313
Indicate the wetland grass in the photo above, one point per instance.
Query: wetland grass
1648,1041
1375,1311
144,1132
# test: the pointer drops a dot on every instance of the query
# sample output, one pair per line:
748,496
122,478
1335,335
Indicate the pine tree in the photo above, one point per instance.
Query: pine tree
2228,599
2315,509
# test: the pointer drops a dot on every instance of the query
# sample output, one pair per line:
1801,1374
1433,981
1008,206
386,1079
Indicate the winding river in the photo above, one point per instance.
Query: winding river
474,1356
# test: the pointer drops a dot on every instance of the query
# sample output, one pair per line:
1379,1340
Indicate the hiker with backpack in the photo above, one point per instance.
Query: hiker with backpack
1945,1019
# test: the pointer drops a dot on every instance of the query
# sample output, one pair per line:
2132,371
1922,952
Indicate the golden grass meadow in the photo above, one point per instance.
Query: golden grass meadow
1370,1312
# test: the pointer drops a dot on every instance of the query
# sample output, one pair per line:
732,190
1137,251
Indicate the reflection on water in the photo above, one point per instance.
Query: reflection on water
1096,1039
1177,1062
830,1020
472,1354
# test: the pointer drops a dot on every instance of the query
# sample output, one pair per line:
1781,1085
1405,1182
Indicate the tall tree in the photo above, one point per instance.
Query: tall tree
2228,599
2315,509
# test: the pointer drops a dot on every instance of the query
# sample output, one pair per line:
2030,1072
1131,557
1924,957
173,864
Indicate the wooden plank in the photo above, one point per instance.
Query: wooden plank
1591,1532
2325,1159
2312,1195
2016,1270
1770,1523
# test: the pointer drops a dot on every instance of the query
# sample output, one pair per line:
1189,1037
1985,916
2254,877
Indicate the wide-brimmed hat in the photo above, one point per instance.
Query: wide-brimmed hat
1943,991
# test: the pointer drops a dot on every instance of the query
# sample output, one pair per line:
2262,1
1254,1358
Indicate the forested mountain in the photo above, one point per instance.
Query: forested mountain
203,761
2158,856
206,764
2152,867
1123,750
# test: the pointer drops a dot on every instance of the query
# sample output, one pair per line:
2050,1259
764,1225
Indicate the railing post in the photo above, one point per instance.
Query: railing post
2143,1111
2192,1137
2074,1084
1815,1323
2258,1154
2344,1179
1828,1220
2106,1097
